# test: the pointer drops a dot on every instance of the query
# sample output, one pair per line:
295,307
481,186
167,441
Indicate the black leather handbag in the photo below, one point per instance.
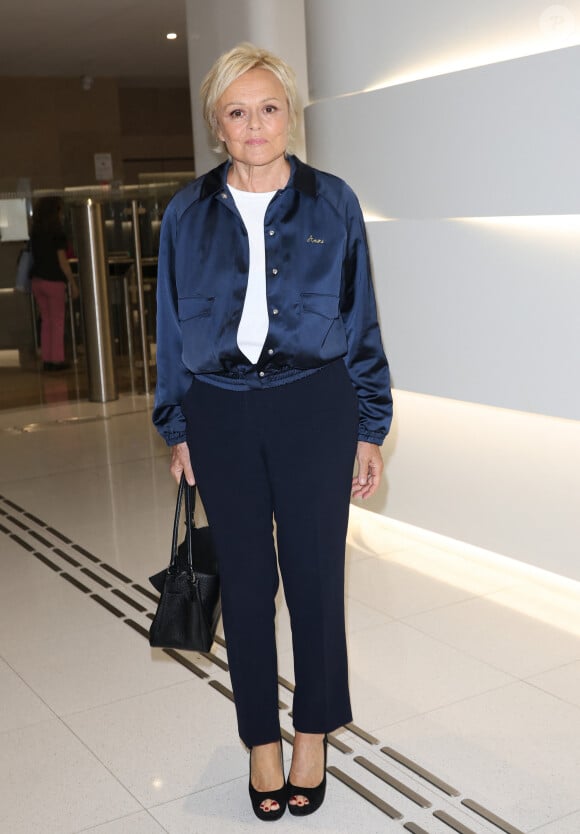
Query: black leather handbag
189,607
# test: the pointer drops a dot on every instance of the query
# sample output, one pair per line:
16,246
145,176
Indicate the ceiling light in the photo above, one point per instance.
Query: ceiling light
171,36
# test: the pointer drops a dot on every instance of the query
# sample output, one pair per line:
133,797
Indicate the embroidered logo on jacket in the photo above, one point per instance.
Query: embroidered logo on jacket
311,239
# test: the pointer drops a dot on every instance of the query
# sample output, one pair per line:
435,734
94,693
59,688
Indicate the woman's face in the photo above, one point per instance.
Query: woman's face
252,116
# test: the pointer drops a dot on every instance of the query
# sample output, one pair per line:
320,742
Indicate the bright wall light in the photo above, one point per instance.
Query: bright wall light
568,224
370,217
457,63
171,36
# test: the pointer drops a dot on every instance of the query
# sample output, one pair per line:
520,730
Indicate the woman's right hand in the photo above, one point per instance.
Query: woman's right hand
180,462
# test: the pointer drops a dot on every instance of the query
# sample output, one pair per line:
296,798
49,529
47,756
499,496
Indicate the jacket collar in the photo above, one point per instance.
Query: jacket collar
302,178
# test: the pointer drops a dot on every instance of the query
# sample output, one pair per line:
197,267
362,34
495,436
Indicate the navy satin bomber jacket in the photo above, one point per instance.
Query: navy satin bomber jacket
319,291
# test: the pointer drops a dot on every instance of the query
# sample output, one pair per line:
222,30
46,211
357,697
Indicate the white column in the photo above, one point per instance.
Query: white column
215,27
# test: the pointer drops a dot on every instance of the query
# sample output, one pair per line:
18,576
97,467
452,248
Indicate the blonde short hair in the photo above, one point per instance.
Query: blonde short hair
229,67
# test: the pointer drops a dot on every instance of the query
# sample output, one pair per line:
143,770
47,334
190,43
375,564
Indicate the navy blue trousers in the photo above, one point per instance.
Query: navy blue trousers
283,453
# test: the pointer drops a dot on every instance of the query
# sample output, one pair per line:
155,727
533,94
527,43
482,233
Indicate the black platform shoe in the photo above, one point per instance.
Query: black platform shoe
257,797
315,796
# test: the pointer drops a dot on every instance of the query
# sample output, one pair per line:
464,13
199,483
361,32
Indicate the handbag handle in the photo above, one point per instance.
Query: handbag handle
190,496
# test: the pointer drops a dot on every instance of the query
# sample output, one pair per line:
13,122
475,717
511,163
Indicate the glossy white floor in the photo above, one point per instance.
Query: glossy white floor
467,665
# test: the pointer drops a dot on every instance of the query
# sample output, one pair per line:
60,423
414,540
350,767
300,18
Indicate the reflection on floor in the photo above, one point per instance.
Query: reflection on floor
465,668
28,387
21,387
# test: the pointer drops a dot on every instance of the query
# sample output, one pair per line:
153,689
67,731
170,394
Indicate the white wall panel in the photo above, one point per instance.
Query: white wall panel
484,312
503,480
354,46
475,315
497,140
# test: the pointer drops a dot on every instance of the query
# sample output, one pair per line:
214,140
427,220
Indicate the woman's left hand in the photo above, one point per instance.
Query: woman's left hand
370,468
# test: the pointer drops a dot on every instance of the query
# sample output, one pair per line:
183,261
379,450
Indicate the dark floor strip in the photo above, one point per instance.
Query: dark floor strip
132,602
220,640
4,529
116,573
138,628
76,583
217,660
394,783
187,663
66,557
149,594
282,705
107,605
21,542
96,577
287,736
223,689
339,745
365,793
286,684
84,552
420,771
42,558
357,731
414,829
453,823
54,532
13,505
17,522
36,520
40,538
490,817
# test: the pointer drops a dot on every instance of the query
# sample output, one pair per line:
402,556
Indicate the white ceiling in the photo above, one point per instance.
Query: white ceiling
117,38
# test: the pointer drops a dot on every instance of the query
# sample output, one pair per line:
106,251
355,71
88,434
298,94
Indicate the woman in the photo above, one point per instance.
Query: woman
270,369
50,274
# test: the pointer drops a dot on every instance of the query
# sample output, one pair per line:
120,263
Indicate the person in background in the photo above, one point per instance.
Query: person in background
51,273
271,380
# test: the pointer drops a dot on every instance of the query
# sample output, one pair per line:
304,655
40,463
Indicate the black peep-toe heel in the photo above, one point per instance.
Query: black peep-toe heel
279,796
315,796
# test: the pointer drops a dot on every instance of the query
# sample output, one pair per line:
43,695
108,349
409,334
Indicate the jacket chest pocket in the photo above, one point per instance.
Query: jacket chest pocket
321,304
196,316
194,307
322,326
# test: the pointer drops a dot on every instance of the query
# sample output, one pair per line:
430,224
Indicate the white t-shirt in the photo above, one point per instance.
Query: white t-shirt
254,323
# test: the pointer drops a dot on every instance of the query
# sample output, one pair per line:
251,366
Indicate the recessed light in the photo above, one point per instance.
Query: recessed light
171,36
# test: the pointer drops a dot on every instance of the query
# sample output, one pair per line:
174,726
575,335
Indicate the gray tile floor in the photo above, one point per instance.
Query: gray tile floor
465,663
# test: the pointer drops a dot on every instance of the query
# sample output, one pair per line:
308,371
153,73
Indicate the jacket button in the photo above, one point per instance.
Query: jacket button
275,311
271,232
274,271
270,352
261,374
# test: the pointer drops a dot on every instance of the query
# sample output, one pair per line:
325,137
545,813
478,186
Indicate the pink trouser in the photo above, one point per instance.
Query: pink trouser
50,297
